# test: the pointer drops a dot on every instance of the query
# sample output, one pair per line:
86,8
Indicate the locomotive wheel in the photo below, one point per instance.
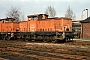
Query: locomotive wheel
39,37
44,39
27,38
3,38
54,40
65,40
33,40
8,38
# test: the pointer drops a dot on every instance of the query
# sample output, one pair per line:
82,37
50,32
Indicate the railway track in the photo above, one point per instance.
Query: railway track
46,51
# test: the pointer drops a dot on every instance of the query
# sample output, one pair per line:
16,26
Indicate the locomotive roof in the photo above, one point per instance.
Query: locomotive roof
56,18
7,19
60,18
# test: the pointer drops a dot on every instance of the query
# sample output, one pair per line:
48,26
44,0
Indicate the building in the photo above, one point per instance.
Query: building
85,28
76,27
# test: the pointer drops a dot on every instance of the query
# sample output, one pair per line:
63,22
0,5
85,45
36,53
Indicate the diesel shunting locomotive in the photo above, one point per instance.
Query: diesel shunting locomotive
37,27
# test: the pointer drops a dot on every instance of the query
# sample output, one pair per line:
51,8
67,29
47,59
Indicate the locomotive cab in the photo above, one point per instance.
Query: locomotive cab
37,17
7,20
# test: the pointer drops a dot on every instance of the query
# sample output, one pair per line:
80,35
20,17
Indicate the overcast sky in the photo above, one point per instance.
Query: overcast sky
29,7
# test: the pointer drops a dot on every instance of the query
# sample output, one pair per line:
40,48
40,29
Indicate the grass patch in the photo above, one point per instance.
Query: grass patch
85,38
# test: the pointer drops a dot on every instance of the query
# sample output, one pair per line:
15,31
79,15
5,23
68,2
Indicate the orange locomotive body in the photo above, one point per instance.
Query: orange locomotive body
7,28
50,24
38,27
55,24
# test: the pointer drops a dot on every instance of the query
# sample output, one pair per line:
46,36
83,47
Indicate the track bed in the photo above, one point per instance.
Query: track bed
45,51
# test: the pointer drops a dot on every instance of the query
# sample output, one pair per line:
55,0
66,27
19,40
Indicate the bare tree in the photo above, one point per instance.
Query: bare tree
14,13
22,17
50,11
70,14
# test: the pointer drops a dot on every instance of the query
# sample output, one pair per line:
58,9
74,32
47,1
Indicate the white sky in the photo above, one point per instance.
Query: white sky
29,7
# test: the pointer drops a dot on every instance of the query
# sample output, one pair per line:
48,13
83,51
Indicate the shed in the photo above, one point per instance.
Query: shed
85,28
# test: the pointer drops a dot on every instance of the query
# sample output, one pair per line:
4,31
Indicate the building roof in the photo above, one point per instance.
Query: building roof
86,20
